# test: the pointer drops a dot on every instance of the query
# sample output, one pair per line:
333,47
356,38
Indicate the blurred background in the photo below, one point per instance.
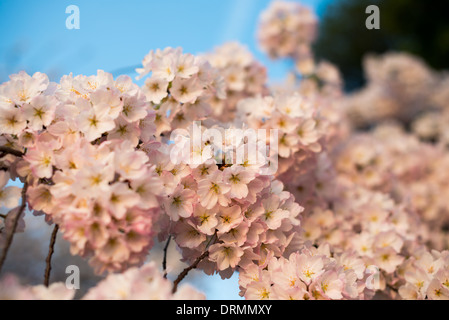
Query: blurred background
418,27
115,36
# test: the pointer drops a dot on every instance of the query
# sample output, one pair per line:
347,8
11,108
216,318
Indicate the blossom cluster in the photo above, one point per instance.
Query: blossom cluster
79,140
243,75
426,275
12,289
404,167
181,87
399,86
310,274
303,190
144,283
302,133
95,107
376,196
105,202
224,204
287,29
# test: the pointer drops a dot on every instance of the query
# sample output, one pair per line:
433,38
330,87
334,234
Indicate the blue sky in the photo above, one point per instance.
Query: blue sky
117,34
114,35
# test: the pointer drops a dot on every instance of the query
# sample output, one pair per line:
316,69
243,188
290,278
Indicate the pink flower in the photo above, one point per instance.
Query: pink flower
186,90
114,250
40,111
119,198
259,290
148,187
437,291
309,267
225,255
134,107
238,178
125,131
107,102
229,218
41,161
387,259
329,285
180,203
206,219
273,214
212,190
12,120
164,67
185,65
94,123
237,235
188,235
155,89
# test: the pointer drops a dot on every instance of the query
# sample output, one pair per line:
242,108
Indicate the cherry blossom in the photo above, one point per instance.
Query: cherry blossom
305,191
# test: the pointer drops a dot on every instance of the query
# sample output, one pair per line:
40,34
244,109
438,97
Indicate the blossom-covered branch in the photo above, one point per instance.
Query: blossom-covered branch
16,215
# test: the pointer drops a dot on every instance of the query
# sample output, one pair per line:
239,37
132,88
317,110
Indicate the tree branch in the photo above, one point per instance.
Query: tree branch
51,250
10,235
8,150
184,272
164,261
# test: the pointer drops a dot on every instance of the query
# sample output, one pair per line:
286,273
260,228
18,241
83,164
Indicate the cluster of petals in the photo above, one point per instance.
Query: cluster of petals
302,134
243,75
144,283
356,207
181,87
398,86
103,197
81,163
287,29
310,274
229,209
425,276
12,289
390,160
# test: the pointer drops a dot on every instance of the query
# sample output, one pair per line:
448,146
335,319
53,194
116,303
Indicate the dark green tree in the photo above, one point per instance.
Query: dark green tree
420,27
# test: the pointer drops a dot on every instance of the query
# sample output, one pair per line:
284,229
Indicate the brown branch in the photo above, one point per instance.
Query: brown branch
3,216
8,150
164,261
51,250
10,235
184,272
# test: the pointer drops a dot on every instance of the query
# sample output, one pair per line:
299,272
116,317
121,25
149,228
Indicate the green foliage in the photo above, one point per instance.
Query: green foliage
420,27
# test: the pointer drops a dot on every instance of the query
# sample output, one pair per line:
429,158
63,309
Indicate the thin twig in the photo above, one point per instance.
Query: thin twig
10,235
164,261
184,272
8,150
3,216
51,250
